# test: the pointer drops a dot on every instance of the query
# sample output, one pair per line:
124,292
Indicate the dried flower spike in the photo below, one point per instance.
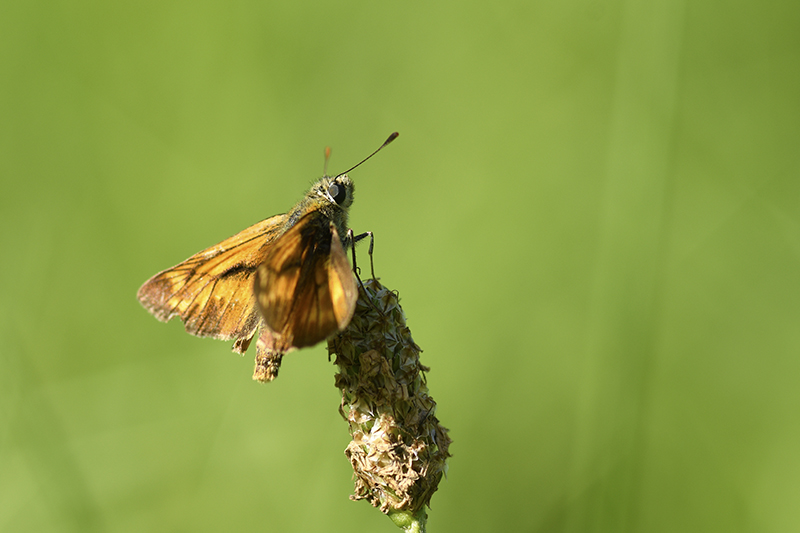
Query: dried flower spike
399,448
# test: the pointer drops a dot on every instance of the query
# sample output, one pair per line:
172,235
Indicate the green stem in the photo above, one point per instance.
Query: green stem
410,523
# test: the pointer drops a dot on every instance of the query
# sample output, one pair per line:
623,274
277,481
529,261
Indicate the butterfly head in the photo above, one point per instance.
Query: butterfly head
337,190
330,197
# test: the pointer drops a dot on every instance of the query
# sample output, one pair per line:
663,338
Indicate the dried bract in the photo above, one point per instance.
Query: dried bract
399,448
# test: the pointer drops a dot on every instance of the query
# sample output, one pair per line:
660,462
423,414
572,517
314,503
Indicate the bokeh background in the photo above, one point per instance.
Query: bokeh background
592,215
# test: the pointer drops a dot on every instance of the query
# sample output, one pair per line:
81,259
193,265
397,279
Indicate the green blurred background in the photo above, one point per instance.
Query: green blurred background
592,215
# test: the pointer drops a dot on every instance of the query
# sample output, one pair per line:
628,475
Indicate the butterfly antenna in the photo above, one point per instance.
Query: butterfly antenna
392,137
327,158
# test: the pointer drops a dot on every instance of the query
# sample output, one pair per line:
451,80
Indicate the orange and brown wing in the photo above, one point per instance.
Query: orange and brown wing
212,291
305,288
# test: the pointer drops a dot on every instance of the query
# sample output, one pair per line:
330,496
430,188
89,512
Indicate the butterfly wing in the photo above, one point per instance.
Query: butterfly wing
305,287
212,291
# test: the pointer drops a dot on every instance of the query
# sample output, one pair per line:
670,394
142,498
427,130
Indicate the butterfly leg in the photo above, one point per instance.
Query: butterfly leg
354,240
371,248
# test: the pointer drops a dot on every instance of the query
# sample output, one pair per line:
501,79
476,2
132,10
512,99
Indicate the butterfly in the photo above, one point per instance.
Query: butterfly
287,276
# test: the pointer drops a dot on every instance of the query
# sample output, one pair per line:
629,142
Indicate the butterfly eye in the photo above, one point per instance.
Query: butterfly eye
338,193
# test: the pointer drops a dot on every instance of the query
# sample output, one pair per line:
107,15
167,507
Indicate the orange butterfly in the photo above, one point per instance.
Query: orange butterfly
287,275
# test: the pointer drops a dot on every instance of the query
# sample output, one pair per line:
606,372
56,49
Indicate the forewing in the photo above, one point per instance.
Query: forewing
341,283
212,291
305,288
